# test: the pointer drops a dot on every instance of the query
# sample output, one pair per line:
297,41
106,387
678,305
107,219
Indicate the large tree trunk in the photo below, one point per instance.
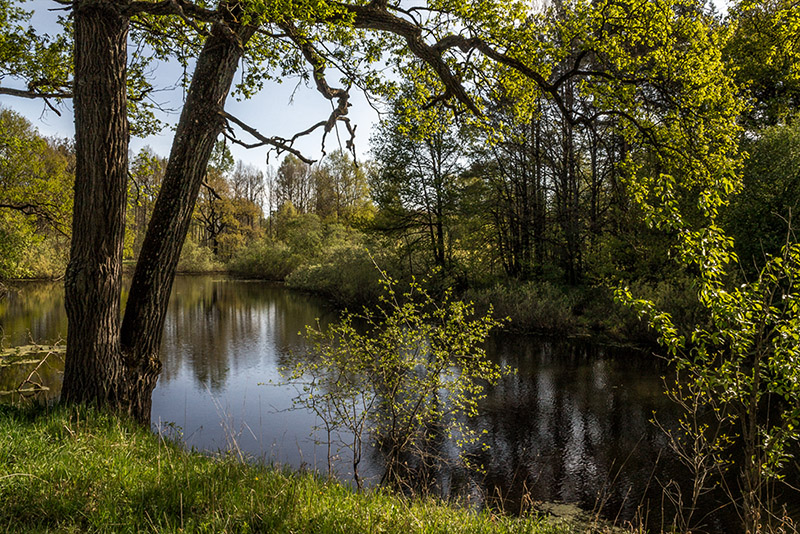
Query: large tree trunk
199,126
93,370
109,364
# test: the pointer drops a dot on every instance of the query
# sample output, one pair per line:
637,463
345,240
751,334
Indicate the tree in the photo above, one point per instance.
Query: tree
514,193
36,175
214,209
41,61
340,189
147,172
652,63
765,50
420,161
224,215
741,365
293,184
109,362
248,190
761,214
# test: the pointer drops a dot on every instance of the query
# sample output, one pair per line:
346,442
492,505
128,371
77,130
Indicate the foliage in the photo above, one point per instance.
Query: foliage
341,192
416,181
328,258
304,233
765,49
745,363
346,275
146,174
742,358
268,259
532,306
196,258
36,176
78,470
761,214
228,214
417,371
676,295
41,61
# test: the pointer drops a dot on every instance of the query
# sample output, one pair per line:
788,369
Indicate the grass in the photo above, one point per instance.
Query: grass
77,470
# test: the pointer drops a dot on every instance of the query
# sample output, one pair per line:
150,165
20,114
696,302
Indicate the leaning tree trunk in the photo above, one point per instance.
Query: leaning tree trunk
94,370
199,126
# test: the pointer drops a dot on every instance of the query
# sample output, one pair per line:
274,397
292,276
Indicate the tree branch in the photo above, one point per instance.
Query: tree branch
342,96
39,211
279,143
211,190
375,16
30,93
182,8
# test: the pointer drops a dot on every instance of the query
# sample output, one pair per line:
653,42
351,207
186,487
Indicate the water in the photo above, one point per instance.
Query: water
573,424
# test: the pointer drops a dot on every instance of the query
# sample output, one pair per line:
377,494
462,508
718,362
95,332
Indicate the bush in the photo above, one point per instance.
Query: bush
47,258
348,276
677,296
197,259
418,372
532,306
267,259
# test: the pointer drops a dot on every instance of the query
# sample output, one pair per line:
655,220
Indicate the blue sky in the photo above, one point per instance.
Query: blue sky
279,109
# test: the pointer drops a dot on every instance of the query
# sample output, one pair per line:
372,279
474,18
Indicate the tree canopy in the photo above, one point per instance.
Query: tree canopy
530,137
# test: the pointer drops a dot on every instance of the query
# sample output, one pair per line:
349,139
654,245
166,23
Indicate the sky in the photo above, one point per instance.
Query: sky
279,109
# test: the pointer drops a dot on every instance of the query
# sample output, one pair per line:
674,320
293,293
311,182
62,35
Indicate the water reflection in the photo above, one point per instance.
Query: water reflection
32,311
222,340
572,424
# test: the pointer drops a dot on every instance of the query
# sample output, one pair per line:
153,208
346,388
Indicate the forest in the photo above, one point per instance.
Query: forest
524,210
624,171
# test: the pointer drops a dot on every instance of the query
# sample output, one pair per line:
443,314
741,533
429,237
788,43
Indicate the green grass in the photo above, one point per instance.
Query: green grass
76,470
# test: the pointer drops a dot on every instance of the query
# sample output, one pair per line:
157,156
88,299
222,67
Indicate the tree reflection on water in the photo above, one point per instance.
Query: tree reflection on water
572,425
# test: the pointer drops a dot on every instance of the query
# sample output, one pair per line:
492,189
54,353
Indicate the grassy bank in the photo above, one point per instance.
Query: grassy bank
74,470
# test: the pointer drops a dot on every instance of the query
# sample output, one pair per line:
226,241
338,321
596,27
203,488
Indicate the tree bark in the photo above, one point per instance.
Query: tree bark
93,370
109,364
199,126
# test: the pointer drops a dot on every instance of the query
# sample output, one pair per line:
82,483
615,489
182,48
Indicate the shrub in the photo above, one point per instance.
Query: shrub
267,259
532,306
348,276
47,258
417,372
197,259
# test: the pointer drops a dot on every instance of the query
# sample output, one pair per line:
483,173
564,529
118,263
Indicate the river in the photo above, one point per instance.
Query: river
573,424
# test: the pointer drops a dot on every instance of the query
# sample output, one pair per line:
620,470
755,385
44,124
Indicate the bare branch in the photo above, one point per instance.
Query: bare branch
30,93
279,143
211,190
342,96
270,34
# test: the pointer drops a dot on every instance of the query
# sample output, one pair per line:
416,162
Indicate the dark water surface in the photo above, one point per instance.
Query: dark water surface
572,424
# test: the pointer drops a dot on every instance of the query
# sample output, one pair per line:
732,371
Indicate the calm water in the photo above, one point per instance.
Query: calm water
572,424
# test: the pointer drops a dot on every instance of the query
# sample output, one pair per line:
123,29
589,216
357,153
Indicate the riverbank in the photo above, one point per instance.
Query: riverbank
75,470
534,308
